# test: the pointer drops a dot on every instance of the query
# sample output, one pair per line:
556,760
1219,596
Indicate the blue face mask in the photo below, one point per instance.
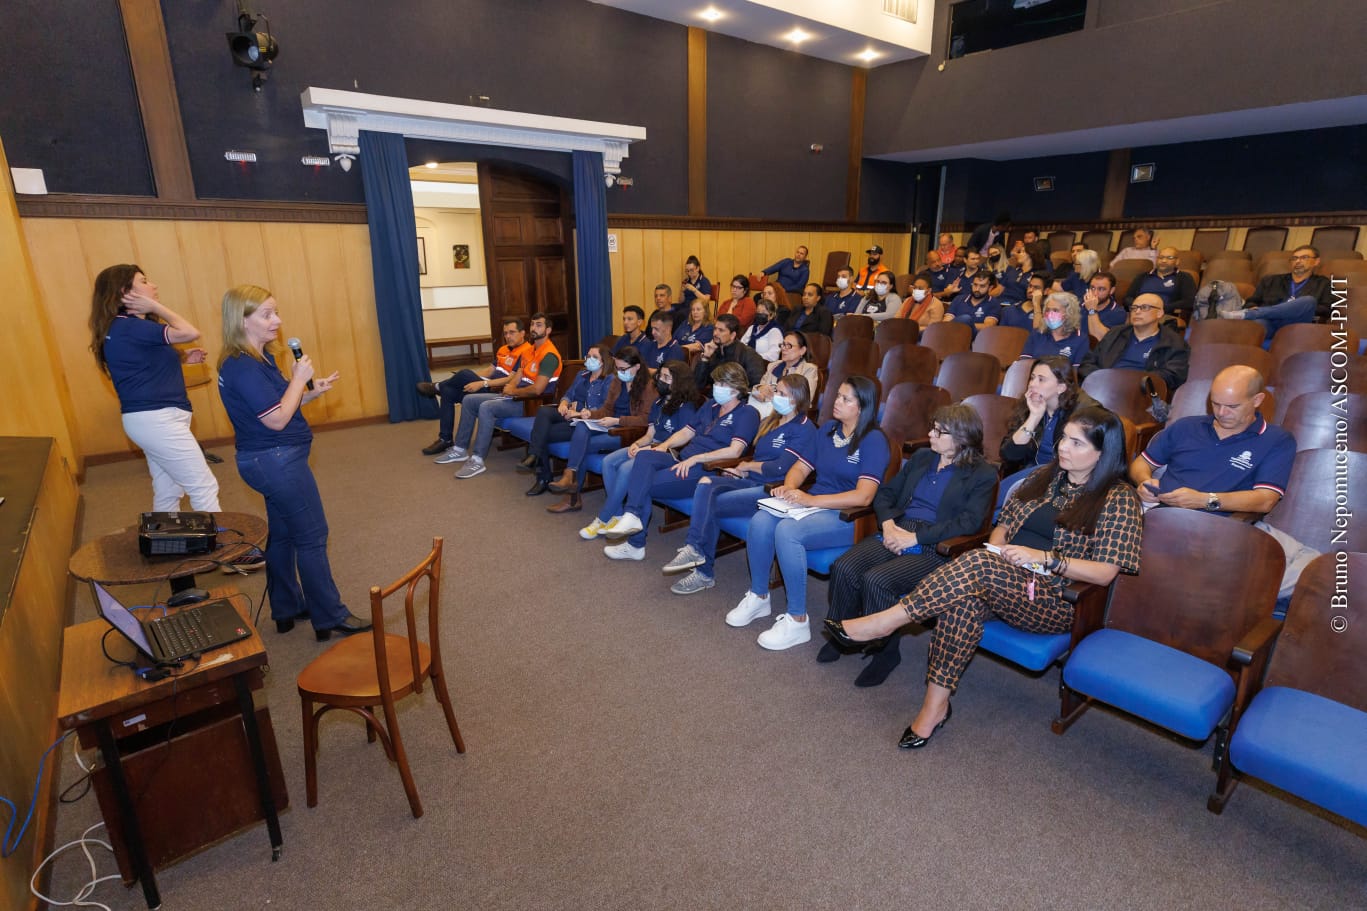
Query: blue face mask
625,376
783,405
1054,322
591,364
723,395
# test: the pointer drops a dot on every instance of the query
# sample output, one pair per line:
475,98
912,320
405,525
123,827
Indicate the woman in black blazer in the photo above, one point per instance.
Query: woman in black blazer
941,492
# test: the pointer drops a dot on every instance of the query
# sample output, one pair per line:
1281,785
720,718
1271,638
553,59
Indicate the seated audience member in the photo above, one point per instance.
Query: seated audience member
997,260
813,316
1177,289
675,407
1060,331
881,301
940,493
866,277
1078,520
922,305
1024,313
1144,247
1064,269
792,272
1233,461
695,285
845,298
1038,250
631,407
595,393
993,232
793,358
453,389
780,312
784,433
1298,296
698,330
1104,312
765,334
1015,278
664,300
538,369
959,285
1036,424
936,273
976,307
633,328
739,303
960,259
849,456
1147,343
947,248
727,348
722,429
1076,281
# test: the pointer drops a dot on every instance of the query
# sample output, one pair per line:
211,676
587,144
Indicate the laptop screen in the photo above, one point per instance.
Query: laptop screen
122,619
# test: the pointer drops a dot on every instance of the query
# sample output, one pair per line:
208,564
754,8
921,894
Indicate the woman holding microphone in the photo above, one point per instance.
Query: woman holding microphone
273,442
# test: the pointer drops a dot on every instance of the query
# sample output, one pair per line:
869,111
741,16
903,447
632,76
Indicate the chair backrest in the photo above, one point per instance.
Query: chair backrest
1017,378
1192,399
1121,390
1264,238
1210,240
908,364
1315,653
1191,259
1357,309
1297,337
1097,240
854,325
903,284
819,347
1216,255
1126,239
995,410
1323,484
1326,420
430,569
1229,270
832,389
896,331
606,342
966,373
1059,257
1127,270
1344,267
1061,240
1226,331
855,356
1273,262
1210,359
947,338
1005,343
1204,582
1337,237
907,414
835,261
1302,372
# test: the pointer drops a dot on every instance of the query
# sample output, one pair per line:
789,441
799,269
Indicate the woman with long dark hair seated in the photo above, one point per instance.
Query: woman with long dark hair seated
739,303
941,492
1036,423
1077,519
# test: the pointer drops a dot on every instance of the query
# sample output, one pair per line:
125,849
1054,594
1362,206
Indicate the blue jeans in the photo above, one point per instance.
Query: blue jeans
652,475
789,540
720,498
583,442
451,391
1273,317
298,574
487,408
616,472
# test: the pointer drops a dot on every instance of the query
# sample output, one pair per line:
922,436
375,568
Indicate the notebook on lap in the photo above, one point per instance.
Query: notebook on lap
191,631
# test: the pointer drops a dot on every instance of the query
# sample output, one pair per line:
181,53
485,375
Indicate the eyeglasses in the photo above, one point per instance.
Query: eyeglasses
1143,307
1305,256
788,345
939,431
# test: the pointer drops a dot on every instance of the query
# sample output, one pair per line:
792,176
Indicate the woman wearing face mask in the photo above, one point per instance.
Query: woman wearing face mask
721,429
814,315
739,302
631,398
996,260
922,306
765,334
1058,330
846,298
793,359
675,407
735,491
880,301
593,394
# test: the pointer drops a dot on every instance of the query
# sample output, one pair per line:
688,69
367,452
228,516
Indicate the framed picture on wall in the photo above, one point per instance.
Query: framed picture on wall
460,256
422,256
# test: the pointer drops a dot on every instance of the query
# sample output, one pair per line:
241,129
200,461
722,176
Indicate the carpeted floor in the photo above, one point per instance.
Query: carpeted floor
628,750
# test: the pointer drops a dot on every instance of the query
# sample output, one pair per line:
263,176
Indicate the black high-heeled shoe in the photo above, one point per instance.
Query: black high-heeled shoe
914,741
837,630
352,624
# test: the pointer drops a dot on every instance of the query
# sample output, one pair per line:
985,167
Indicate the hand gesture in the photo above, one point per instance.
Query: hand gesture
138,305
709,349
196,355
301,371
1034,403
1089,300
323,384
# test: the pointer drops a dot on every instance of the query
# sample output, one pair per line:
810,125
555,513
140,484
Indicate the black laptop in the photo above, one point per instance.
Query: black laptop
191,631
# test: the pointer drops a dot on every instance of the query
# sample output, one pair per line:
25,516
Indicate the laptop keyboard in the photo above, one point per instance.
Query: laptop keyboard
182,633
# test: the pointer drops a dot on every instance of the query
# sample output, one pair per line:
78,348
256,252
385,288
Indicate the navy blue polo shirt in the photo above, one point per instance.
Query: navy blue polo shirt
1112,316
713,430
1012,315
626,340
965,310
1074,285
250,390
658,357
143,365
666,425
841,305
1259,458
1043,344
1015,284
791,276
1153,283
704,285
687,335
840,468
777,450
622,407
942,279
927,494
1136,353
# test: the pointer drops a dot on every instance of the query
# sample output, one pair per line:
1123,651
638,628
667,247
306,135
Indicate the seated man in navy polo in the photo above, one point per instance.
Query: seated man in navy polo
975,307
1177,289
633,327
792,271
1299,296
959,284
846,298
1147,344
1020,314
1103,311
937,274
659,345
1233,461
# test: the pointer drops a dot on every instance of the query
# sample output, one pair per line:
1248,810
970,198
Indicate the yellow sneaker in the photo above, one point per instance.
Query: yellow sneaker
593,529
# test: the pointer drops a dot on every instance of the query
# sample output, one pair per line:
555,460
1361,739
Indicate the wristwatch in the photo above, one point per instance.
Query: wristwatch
1213,502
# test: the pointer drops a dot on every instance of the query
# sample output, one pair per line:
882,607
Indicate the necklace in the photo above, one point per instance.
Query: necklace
839,439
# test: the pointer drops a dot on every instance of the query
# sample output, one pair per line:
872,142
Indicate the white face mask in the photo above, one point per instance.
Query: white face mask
842,283
723,394
783,404
591,364
881,288
918,294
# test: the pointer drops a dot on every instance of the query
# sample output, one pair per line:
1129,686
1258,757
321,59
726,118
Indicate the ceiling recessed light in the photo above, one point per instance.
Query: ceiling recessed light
430,164
869,55
797,36
711,14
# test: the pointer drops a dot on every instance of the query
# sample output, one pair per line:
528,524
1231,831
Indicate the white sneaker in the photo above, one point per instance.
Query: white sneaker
687,558
593,529
750,608
454,454
624,551
472,467
785,633
624,526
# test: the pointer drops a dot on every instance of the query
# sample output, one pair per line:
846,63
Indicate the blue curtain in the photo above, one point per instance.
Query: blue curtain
394,261
595,274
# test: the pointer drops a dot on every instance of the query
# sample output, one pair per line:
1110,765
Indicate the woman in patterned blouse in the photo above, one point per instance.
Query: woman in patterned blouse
1074,519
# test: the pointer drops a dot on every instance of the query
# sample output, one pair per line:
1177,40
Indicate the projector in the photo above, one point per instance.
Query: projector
176,534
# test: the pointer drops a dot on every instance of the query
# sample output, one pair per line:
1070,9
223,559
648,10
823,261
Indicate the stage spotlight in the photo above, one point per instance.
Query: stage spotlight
252,49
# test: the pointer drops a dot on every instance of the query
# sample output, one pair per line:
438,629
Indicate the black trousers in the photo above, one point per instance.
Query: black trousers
869,578
549,427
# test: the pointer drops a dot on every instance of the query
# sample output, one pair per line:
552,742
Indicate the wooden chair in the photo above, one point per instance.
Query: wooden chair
1265,238
1300,716
907,415
1310,512
1191,260
1005,343
1126,239
819,347
1225,331
1017,378
1208,360
1309,371
1314,420
833,381
1193,400
994,410
1059,257
1229,270
896,331
1097,240
364,671
1343,237
1357,313
968,373
947,338
855,325
1122,391
907,364
1061,240
1274,262
1230,254
1210,240
1127,270
1344,267
835,261
902,284
1299,337
855,356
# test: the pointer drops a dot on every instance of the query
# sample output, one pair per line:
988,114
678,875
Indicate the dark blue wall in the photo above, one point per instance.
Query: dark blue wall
977,190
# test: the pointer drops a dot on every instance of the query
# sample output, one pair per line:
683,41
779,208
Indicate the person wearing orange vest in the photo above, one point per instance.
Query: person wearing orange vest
453,389
538,369
868,275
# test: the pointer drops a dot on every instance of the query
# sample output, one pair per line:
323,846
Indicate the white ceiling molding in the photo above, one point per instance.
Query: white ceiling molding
345,114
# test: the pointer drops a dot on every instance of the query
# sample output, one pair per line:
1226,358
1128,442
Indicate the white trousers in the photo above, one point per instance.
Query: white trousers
174,459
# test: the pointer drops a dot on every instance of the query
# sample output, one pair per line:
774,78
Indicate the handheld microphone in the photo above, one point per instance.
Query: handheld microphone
297,347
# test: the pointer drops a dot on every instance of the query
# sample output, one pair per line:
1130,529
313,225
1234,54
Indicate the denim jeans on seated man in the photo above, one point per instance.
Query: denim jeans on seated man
487,408
450,392
1297,310
770,536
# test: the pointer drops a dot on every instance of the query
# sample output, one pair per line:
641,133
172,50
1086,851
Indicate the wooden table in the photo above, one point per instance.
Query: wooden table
187,760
